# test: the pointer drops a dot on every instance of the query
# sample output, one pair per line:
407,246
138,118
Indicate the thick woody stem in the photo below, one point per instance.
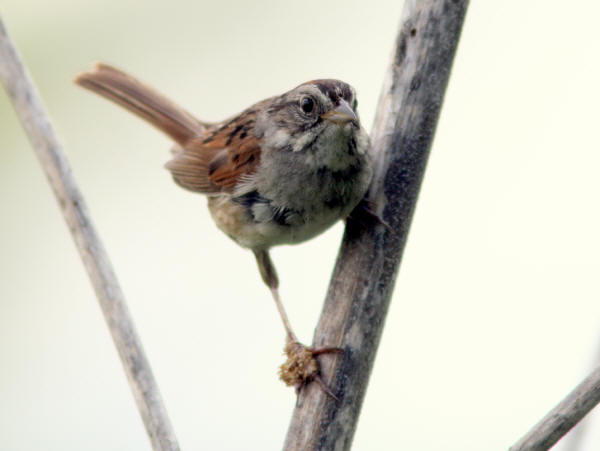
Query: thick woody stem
366,267
36,122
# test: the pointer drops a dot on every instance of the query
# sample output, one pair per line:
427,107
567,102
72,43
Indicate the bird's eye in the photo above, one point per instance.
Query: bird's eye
307,104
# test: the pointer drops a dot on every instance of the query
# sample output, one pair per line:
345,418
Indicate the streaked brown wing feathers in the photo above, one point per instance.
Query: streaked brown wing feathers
241,160
218,160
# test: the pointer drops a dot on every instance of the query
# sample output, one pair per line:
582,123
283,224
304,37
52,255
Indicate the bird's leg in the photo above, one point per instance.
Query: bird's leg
269,276
301,366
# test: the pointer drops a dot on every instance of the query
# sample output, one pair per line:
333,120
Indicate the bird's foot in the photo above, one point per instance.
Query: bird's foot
364,213
301,366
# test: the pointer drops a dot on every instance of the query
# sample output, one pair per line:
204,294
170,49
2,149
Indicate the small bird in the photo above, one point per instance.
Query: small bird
280,172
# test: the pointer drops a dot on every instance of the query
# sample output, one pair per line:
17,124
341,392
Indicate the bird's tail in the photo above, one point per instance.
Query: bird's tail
143,101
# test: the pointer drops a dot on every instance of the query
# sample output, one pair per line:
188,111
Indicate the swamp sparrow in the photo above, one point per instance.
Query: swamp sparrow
280,172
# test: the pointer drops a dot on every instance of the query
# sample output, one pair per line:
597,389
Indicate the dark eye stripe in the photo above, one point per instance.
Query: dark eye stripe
281,106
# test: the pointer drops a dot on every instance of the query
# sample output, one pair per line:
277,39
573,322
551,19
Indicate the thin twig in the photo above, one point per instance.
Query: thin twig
365,272
36,122
575,441
577,436
563,417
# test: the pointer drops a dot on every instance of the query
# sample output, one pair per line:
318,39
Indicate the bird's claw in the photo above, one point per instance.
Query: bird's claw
301,366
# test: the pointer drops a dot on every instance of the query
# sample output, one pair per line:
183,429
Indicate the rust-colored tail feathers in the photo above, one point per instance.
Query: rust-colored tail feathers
143,101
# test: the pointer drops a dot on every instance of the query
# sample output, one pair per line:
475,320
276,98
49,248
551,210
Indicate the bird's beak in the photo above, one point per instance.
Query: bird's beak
341,114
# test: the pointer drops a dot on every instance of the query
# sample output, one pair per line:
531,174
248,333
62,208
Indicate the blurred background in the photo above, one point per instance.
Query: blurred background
496,312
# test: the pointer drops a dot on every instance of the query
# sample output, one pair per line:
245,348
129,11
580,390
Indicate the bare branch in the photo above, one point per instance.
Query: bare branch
577,435
563,417
365,271
34,118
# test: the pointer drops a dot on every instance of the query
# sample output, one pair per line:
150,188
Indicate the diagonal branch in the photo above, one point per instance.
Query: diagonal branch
365,271
36,122
563,417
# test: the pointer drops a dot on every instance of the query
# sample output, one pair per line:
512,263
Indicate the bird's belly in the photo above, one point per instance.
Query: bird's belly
237,221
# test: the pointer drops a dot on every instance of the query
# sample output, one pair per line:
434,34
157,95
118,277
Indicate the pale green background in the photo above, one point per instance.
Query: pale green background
496,313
